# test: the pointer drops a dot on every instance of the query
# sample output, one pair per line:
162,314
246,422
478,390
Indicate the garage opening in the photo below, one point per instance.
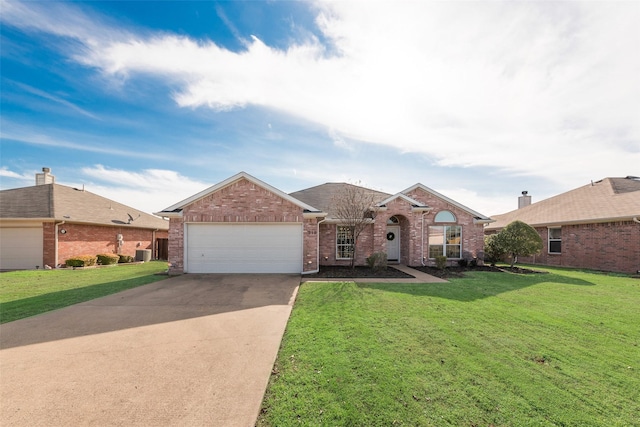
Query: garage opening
244,248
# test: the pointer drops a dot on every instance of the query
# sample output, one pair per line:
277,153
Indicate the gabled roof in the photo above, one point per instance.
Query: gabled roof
610,199
175,210
414,203
322,196
478,216
57,202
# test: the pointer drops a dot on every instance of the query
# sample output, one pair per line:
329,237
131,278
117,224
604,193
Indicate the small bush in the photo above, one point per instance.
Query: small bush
108,259
125,258
441,262
494,248
81,261
377,261
473,263
463,262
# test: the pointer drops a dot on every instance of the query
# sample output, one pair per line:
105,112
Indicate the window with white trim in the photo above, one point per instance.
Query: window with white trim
445,240
445,216
555,240
344,242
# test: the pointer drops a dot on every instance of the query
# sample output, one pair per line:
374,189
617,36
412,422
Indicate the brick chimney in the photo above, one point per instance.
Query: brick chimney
524,200
45,177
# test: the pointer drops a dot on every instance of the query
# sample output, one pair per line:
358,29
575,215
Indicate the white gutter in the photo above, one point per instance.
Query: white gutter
55,228
635,219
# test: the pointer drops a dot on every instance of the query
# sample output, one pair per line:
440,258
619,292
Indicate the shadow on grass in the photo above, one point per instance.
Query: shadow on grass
39,304
477,285
177,298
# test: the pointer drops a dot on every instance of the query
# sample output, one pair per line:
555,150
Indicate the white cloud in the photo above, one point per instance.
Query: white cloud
546,89
149,190
27,135
22,179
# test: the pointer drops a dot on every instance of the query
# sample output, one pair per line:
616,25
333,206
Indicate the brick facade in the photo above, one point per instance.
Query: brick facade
608,246
242,201
85,239
414,233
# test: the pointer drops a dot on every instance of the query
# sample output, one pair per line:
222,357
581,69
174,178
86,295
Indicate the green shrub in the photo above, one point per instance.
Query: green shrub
108,259
494,248
125,259
441,262
520,239
81,261
463,262
377,261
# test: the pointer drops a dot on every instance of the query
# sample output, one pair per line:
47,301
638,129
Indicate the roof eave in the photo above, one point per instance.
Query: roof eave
445,198
483,220
230,181
164,214
314,214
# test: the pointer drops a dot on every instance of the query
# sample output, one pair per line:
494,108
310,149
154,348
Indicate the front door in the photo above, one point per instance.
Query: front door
393,242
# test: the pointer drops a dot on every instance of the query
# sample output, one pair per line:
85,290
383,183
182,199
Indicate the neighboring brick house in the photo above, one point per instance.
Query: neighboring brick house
49,223
245,225
596,226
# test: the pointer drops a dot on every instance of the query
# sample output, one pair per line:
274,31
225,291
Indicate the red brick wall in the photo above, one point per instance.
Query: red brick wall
242,201
414,243
611,246
472,234
81,239
328,234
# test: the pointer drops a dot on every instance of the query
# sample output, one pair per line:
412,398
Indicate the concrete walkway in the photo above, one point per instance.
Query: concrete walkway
193,350
419,277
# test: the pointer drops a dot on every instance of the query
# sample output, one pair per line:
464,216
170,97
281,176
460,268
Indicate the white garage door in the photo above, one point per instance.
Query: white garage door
20,248
243,248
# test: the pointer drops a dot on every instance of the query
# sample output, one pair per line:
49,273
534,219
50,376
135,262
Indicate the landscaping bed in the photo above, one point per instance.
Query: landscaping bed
458,271
342,272
361,272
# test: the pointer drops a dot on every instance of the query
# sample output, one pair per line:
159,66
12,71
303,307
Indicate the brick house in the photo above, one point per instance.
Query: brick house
245,225
596,226
48,223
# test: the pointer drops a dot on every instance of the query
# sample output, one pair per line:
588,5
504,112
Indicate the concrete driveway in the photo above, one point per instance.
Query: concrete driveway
192,350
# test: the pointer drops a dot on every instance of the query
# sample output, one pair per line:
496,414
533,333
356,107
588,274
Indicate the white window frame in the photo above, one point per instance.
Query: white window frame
444,240
348,246
549,240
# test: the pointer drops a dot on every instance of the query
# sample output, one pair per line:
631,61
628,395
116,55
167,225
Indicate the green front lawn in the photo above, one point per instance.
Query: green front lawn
27,293
490,349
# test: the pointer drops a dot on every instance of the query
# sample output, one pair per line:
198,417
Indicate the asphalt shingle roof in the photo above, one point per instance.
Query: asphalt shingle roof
322,196
610,199
62,203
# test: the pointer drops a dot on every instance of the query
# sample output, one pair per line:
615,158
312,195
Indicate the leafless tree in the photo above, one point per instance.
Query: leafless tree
355,207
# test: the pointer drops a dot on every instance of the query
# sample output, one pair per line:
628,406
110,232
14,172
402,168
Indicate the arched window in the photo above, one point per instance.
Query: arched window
393,220
445,239
445,216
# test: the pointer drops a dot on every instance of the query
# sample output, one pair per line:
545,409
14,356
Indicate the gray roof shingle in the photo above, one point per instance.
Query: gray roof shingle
322,196
62,203
610,199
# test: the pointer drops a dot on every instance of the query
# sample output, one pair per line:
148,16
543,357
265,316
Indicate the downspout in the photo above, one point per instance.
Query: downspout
153,244
422,242
55,251
635,219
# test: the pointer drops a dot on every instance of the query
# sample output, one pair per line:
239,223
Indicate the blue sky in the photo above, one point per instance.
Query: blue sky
149,102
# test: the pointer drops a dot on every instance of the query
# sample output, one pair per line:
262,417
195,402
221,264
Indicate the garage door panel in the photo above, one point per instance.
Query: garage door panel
20,248
238,248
